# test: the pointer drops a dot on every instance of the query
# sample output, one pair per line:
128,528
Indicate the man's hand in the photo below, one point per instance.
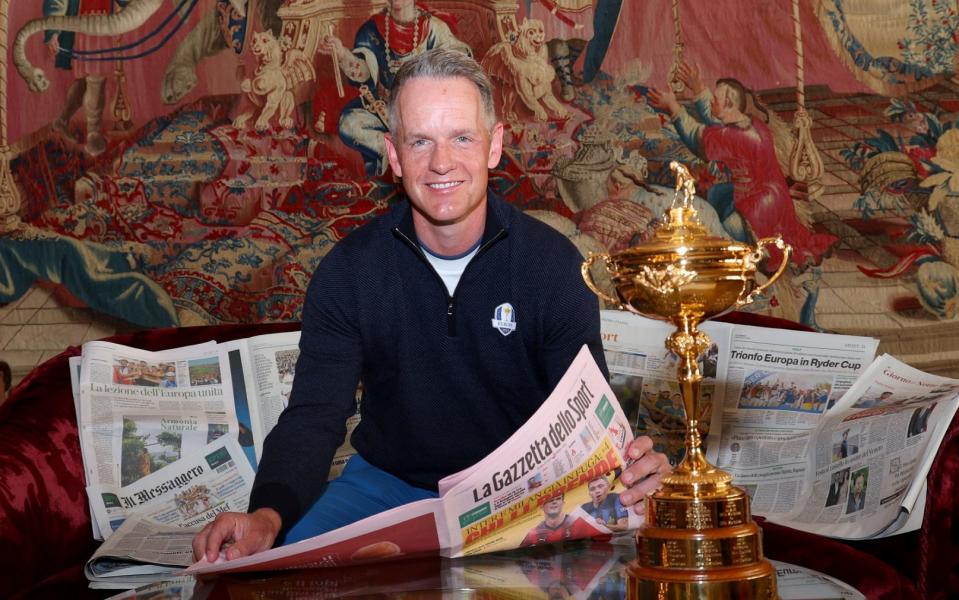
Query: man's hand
330,44
689,74
643,476
53,46
664,100
238,534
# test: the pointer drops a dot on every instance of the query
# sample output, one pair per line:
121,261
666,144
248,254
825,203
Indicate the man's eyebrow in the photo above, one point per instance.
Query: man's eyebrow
452,134
466,131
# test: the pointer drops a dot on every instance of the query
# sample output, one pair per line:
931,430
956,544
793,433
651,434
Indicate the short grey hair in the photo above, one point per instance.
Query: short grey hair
442,63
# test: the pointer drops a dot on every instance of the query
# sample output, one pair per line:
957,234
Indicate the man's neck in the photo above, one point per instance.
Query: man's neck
451,239
738,119
404,15
554,522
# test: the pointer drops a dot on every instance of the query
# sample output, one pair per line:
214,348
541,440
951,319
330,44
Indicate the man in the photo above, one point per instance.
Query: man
384,42
844,445
556,526
605,507
837,487
857,496
88,89
919,421
879,400
408,304
169,380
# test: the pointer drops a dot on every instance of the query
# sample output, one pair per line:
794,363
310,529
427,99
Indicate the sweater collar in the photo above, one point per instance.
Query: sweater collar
497,219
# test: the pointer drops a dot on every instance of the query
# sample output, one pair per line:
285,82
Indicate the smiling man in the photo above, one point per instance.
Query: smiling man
457,312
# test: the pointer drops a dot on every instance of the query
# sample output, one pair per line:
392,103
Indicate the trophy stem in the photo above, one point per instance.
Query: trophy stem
689,344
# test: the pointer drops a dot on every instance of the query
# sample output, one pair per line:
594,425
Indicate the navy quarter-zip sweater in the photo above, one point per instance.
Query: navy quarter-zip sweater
442,386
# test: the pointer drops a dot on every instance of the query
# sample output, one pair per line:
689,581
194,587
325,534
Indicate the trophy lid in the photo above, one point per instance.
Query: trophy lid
683,234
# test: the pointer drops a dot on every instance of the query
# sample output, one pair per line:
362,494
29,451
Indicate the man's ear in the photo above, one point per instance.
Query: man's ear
392,155
496,146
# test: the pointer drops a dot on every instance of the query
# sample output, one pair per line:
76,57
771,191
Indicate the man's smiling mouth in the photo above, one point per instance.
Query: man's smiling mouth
444,185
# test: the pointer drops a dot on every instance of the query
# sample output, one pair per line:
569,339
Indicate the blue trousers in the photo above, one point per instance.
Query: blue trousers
360,491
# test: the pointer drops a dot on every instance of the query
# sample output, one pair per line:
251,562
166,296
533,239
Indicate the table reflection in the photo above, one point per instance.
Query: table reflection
585,569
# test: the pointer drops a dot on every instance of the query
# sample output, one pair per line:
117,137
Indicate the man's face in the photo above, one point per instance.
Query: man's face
554,507
724,99
598,490
443,151
858,485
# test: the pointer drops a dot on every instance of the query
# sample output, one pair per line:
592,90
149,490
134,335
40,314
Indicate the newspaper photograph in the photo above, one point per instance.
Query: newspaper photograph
141,411
872,452
643,376
186,493
778,385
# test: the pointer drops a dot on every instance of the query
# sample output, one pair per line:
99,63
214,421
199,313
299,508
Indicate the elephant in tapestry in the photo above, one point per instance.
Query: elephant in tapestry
132,17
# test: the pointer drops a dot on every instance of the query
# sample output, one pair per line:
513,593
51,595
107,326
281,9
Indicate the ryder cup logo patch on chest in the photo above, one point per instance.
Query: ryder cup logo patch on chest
504,318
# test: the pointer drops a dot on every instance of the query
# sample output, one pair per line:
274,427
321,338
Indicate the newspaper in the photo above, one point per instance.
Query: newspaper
777,387
141,552
799,420
873,450
142,411
74,362
542,472
173,437
187,493
263,368
172,588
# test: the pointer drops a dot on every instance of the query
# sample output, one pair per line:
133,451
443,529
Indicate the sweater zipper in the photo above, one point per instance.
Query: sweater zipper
450,299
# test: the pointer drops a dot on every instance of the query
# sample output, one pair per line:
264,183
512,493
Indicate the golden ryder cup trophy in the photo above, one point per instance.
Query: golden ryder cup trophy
699,539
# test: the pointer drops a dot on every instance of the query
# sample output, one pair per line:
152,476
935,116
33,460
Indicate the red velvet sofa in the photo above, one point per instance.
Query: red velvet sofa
45,526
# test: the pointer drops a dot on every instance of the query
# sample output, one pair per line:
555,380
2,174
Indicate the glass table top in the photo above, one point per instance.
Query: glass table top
585,569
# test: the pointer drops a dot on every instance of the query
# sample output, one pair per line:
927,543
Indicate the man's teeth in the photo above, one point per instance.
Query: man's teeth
443,186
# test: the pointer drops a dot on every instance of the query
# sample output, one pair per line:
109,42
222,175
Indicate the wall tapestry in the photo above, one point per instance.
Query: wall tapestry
191,161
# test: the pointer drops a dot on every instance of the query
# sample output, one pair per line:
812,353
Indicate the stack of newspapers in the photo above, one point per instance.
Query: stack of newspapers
823,436
170,439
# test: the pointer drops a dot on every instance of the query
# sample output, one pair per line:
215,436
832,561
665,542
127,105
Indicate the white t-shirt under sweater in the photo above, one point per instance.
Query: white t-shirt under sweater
450,268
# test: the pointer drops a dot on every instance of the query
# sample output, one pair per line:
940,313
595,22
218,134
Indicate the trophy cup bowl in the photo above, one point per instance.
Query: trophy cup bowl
699,539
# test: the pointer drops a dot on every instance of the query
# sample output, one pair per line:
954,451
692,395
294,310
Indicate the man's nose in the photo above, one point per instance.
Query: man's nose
441,160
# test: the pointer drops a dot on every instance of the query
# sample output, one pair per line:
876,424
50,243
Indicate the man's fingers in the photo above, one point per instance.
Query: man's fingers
644,474
244,547
221,530
639,447
199,543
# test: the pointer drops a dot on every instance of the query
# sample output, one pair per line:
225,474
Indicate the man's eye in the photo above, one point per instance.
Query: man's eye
418,143
464,139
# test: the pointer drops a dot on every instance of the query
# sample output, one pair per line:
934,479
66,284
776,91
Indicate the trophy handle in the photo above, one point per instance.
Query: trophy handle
756,257
588,278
